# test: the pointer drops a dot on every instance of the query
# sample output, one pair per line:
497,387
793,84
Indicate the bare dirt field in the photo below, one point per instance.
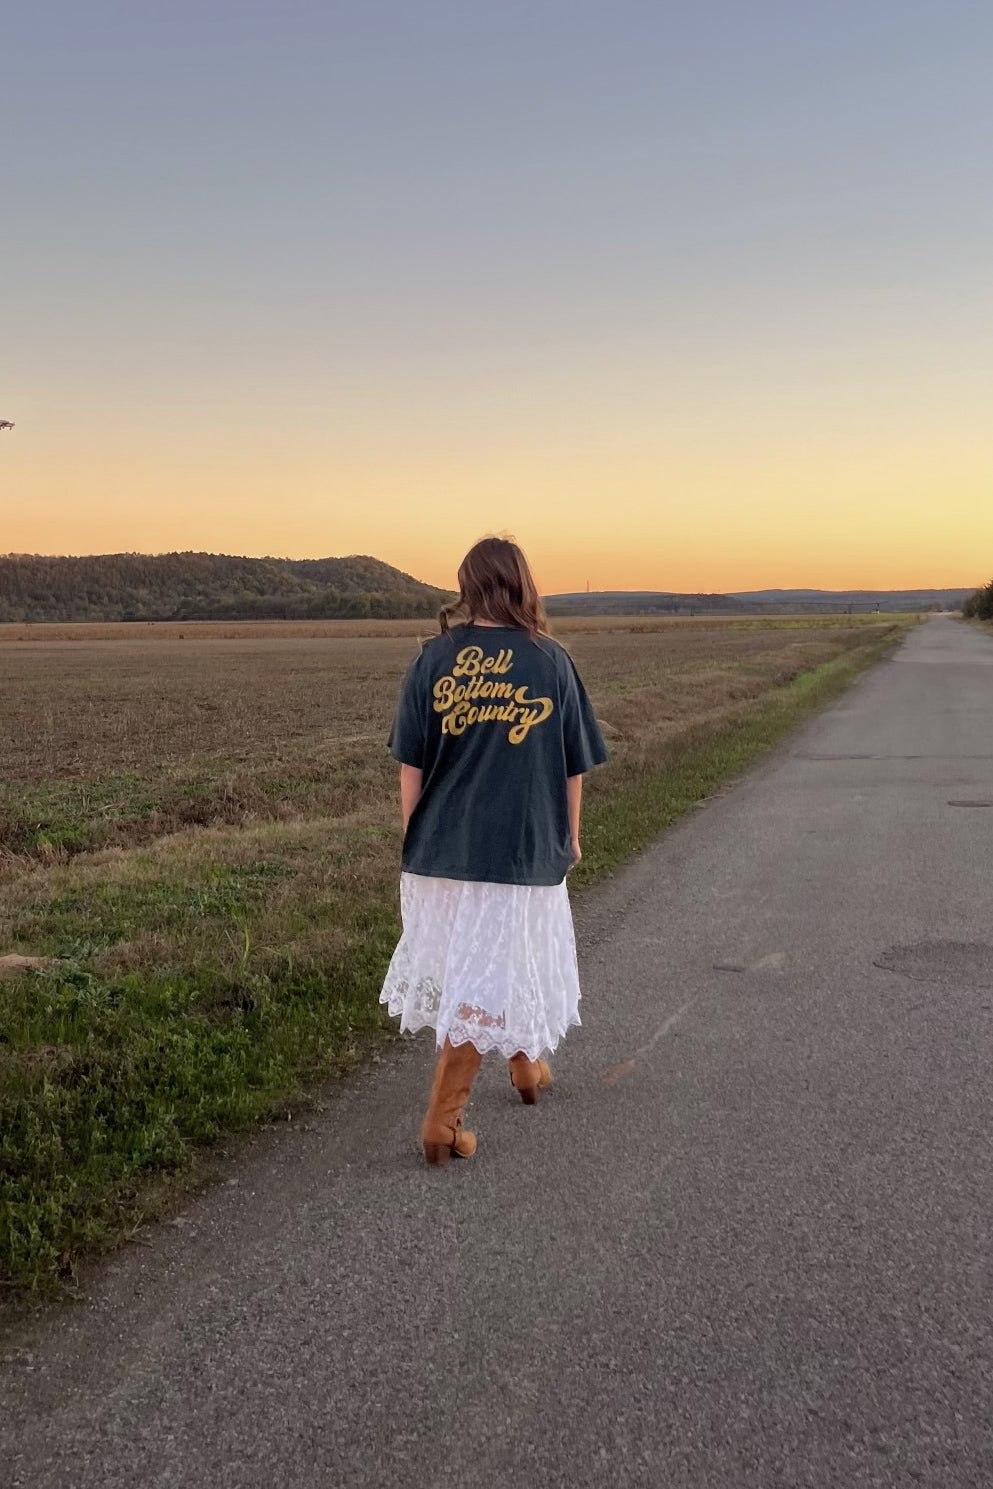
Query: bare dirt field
85,702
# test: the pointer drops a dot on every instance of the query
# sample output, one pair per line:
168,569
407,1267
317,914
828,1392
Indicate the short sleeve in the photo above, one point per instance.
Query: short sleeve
584,745
408,737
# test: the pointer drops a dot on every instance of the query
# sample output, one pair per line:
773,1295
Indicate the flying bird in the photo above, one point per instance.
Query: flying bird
6,424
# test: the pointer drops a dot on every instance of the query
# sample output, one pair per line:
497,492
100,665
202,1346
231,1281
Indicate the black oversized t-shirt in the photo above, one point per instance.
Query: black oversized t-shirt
497,723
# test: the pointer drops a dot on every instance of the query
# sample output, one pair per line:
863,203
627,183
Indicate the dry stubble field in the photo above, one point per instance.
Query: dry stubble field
199,837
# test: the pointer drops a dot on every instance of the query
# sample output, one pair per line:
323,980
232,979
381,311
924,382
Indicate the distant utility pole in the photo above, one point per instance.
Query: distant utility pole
587,586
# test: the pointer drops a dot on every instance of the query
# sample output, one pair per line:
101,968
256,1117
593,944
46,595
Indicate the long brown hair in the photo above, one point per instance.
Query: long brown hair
496,583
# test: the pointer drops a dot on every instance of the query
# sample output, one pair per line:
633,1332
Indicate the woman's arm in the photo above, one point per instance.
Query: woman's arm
410,790
574,786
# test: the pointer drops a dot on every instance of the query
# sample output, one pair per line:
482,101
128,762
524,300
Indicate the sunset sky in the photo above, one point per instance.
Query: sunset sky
687,296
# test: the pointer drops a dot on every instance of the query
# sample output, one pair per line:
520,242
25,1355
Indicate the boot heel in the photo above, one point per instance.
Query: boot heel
528,1094
437,1152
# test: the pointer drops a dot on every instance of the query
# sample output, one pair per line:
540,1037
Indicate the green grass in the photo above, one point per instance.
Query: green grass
208,980
109,913
110,1077
52,819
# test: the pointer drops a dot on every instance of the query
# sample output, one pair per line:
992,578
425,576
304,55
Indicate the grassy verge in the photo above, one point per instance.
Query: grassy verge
189,994
206,979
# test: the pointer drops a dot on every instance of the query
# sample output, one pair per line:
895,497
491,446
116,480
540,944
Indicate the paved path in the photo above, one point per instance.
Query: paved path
744,1243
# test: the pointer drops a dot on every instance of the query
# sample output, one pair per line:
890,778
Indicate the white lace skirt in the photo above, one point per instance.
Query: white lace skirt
491,964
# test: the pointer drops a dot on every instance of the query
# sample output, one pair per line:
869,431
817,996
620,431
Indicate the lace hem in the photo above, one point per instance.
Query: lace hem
486,1041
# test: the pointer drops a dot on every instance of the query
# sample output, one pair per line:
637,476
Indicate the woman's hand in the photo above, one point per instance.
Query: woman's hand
410,790
574,789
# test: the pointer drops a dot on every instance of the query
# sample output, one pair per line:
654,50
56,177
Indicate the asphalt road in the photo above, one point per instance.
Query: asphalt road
743,1243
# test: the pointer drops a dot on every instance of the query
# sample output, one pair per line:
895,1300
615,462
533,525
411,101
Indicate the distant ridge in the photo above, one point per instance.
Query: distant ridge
753,602
206,586
643,602
908,599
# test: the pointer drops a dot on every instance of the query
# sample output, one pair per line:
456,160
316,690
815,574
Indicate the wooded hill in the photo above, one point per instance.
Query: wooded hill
206,586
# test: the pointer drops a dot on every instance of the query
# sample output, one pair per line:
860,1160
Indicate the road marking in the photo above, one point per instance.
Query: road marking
627,1067
775,961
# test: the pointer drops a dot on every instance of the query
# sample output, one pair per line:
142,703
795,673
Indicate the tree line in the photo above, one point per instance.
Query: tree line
206,586
980,605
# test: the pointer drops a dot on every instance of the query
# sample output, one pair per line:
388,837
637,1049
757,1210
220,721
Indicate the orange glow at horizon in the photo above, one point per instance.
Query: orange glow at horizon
684,515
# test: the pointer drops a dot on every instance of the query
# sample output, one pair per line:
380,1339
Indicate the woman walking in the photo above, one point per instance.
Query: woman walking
493,733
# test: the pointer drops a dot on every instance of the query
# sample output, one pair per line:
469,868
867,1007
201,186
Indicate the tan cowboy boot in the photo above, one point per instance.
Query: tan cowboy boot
441,1131
529,1077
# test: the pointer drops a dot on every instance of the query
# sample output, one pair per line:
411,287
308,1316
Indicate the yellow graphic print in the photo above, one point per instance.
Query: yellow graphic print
485,697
